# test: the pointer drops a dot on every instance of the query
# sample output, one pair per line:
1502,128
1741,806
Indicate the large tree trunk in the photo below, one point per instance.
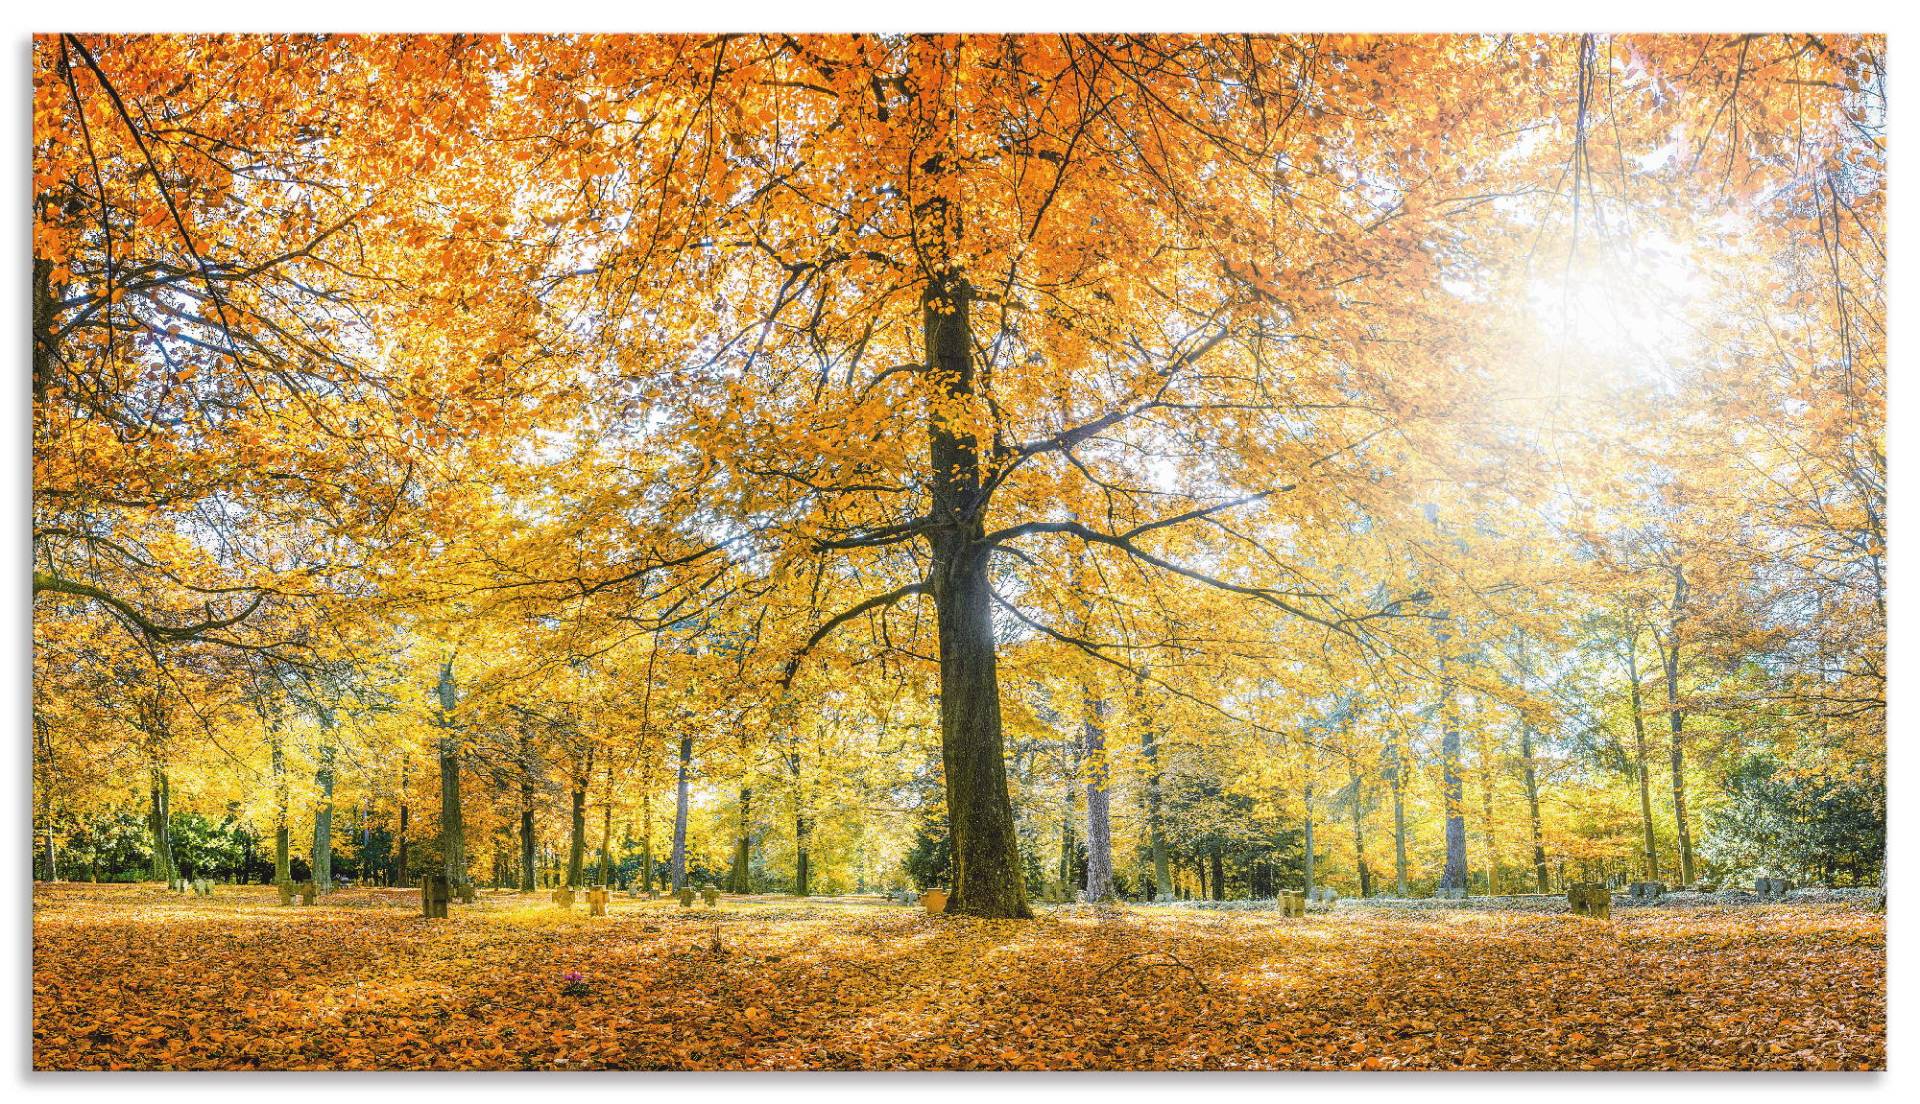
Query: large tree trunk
679,865
1099,824
739,879
160,823
453,837
577,838
987,877
1453,876
802,843
1156,836
1532,783
1650,854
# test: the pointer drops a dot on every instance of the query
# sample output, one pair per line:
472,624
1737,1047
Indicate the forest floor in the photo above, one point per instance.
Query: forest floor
135,977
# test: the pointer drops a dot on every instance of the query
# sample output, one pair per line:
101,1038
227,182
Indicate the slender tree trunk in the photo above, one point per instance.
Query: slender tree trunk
526,835
453,836
1676,720
401,874
987,876
1650,853
281,833
1069,836
679,865
1156,836
1359,834
1489,830
646,840
1219,878
1306,866
1399,785
802,841
1532,783
44,776
1099,823
606,841
323,814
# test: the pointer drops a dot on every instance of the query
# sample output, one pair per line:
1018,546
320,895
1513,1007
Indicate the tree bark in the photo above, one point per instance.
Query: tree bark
987,876
323,814
160,823
1650,854
1156,835
679,865
577,838
802,859
1399,784
526,836
1532,783
1218,880
453,839
281,833
401,875
1676,719
738,879
1453,876
1359,834
1099,823
606,840
1306,866
44,776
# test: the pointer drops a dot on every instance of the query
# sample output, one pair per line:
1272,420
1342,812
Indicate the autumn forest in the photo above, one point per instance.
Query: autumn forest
959,552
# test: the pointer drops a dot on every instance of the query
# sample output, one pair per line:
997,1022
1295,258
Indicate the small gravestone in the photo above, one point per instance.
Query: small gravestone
686,897
433,896
286,892
597,901
1590,899
935,900
711,896
563,897
307,891
464,891
1293,902
202,888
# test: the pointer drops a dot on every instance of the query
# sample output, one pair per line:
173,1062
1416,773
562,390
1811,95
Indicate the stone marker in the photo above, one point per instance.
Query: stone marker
597,901
286,892
711,896
202,888
1293,902
433,896
307,891
935,900
686,897
1590,899
563,897
464,891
